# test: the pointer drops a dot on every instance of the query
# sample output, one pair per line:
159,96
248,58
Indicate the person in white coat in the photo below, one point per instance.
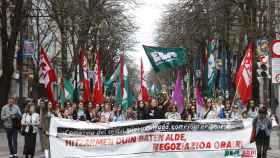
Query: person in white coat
30,123
173,113
209,112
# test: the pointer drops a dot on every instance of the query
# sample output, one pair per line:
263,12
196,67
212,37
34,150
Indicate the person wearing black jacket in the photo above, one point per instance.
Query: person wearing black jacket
81,113
142,111
154,111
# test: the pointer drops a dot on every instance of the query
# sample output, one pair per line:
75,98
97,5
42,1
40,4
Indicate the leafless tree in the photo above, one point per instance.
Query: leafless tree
13,15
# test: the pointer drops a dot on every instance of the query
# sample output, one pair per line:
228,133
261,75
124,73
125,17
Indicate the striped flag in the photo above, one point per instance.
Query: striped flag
84,78
144,94
47,75
98,97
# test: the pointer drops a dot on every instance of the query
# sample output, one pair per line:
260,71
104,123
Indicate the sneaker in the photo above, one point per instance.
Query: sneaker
15,156
11,156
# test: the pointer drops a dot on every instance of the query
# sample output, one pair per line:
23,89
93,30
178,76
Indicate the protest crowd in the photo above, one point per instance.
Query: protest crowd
161,107
164,108
34,116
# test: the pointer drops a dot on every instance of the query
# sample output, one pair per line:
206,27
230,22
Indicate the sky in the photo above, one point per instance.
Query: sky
147,18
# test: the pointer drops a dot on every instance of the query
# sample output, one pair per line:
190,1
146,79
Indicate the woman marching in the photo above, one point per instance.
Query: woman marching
262,128
48,113
30,122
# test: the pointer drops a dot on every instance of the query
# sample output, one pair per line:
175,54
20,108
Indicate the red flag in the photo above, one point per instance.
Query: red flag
144,95
98,97
46,75
244,76
84,75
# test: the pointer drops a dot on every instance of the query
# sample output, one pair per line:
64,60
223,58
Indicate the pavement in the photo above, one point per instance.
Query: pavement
274,143
4,151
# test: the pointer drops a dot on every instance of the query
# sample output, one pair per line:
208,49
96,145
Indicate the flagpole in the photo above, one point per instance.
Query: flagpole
235,91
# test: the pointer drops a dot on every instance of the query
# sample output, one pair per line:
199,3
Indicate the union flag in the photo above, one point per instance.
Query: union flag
244,76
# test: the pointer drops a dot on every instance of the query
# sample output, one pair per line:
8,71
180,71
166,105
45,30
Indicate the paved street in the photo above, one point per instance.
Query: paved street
274,141
4,153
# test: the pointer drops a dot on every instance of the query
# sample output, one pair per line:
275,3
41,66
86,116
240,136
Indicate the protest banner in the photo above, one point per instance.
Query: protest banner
151,139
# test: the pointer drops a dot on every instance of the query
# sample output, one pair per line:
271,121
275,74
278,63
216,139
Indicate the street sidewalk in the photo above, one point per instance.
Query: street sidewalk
274,143
4,151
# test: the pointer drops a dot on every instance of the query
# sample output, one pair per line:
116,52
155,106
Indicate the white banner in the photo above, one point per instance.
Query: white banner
151,139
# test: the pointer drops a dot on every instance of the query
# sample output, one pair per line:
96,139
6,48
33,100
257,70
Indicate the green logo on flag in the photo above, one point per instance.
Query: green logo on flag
165,58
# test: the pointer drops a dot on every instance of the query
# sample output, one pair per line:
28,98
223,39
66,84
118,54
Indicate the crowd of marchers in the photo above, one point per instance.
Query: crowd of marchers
30,121
162,108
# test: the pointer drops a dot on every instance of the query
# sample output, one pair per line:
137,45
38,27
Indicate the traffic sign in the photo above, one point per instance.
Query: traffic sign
277,78
275,70
275,48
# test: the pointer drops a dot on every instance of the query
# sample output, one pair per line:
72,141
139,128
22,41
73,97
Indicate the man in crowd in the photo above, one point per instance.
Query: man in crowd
11,116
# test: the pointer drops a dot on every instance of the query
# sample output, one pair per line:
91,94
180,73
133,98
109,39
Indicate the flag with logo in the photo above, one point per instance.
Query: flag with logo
68,90
98,97
212,46
47,75
165,58
84,78
244,76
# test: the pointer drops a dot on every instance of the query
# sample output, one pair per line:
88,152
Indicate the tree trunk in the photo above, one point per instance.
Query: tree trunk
64,66
9,41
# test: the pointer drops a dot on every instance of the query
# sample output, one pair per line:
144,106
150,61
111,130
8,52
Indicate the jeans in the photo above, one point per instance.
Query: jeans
12,134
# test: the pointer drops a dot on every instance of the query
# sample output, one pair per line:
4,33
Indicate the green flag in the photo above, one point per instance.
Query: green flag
68,90
152,90
61,97
165,58
123,96
212,48
114,77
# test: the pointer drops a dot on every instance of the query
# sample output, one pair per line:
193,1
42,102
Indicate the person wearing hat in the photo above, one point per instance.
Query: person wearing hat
262,128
